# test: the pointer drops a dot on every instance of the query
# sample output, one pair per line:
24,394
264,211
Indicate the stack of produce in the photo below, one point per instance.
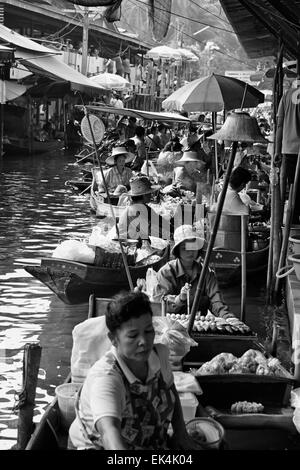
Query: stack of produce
251,362
210,324
247,407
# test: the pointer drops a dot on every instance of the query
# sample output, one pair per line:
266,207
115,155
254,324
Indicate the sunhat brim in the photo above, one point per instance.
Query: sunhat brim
111,159
197,239
147,191
182,162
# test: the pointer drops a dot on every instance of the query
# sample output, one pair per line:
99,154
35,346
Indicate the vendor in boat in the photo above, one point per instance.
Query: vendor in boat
233,202
129,400
118,174
179,277
139,220
189,171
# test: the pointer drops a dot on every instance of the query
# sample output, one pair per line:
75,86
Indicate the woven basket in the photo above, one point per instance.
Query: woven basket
108,259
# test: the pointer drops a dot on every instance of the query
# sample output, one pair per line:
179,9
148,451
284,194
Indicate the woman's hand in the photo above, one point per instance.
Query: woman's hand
184,291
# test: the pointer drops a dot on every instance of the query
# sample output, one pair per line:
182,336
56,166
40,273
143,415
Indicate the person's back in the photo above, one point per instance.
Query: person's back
289,113
233,203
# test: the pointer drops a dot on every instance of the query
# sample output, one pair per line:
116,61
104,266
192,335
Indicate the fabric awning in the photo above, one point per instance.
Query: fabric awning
52,67
12,90
9,36
137,113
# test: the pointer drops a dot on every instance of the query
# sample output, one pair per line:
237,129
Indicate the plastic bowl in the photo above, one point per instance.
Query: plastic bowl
207,432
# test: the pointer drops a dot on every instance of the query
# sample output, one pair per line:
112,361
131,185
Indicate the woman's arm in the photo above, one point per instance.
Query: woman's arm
110,430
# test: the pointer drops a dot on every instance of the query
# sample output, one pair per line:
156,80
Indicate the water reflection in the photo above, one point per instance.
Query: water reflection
37,211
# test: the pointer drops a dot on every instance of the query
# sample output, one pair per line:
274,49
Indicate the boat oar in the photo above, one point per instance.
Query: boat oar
86,189
110,205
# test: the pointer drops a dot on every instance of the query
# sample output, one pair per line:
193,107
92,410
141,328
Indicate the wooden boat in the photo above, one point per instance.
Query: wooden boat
79,185
101,208
243,431
226,258
17,146
73,282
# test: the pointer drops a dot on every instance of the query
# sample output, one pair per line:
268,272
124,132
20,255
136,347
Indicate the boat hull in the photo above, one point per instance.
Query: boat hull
74,282
227,264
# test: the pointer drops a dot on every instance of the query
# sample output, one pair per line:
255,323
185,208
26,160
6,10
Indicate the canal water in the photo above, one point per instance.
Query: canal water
37,211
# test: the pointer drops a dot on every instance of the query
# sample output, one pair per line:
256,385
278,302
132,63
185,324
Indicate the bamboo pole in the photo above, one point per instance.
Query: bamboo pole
31,364
274,234
110,205
200,285
244,266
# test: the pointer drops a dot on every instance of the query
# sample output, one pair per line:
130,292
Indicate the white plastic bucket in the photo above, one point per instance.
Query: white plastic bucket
295,241
189,405
66,396
210,432
290,269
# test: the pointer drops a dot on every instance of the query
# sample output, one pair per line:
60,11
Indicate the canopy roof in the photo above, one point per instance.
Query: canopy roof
8,36
137,113
259,24
52,67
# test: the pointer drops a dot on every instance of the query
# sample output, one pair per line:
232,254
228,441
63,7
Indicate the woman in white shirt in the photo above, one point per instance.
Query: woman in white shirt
129,399
233,203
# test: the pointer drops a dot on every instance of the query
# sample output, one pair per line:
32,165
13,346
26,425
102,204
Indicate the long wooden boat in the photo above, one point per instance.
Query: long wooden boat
102,208
17,146
74,282
226,257
243,431
227,263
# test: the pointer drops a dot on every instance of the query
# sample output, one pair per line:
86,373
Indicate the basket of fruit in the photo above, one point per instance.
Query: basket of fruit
254,377
215,335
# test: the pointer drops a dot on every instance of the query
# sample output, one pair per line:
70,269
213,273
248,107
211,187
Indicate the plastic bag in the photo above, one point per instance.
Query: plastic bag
295,398
173,335
90,343
151,282
185,382
75,250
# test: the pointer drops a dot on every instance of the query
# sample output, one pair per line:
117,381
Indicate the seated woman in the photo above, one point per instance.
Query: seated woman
188,171
139,220
118,174
129,399
178,276
170,154
233,203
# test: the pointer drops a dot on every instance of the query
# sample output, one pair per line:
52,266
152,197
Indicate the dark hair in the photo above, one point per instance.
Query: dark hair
132,118
139,131
161,127
192,127
124,306
239,176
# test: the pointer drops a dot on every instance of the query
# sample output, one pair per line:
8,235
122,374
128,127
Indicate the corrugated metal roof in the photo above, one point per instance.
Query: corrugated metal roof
259,25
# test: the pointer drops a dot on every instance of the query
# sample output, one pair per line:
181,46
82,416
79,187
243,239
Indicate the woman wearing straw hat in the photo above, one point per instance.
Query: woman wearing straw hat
181,275
188,171
139,220
118,174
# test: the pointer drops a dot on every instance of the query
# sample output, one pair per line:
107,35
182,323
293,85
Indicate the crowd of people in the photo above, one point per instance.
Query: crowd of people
129,400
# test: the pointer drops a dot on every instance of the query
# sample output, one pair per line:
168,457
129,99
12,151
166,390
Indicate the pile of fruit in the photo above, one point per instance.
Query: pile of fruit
210,324
251,362
247,407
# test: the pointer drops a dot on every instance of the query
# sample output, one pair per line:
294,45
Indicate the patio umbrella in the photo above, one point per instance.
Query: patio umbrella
163,52
187,54
111,81
213,93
